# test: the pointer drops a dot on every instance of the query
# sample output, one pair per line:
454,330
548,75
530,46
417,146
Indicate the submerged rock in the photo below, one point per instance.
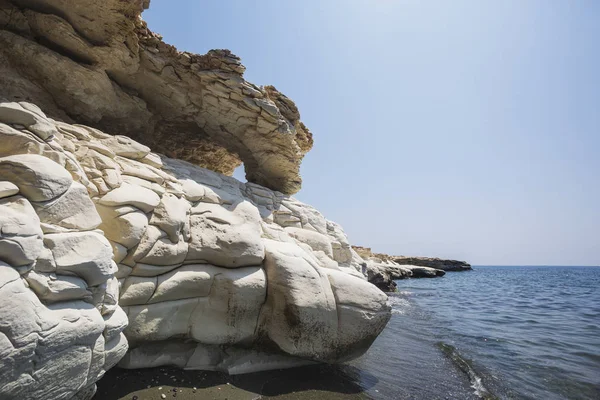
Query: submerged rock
104,252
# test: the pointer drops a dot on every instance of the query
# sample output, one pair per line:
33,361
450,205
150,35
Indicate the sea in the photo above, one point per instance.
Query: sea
496,332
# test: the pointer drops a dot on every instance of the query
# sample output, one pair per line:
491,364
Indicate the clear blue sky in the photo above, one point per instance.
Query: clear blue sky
460,129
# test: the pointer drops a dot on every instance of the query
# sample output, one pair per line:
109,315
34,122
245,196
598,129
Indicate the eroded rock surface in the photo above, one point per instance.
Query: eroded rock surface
97,63
60,324
101,236
382,270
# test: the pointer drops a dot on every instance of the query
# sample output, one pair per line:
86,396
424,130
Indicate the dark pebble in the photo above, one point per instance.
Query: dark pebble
134,398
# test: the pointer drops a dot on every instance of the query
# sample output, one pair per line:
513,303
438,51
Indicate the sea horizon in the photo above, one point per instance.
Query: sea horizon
534,265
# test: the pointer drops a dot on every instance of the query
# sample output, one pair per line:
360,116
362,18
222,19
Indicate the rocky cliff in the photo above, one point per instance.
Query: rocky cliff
113,253
97,63
382,269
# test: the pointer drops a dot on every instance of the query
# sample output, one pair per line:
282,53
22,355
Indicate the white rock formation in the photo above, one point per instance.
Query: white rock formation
98,236
60,325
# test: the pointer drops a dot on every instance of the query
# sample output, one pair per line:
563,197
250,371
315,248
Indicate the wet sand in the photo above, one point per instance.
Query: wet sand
304,383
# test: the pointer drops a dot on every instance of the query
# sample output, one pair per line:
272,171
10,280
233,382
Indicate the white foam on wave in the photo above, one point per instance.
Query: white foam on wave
480,390
399,305
476,384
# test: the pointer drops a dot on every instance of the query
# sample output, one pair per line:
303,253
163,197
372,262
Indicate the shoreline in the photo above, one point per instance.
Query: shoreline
305,383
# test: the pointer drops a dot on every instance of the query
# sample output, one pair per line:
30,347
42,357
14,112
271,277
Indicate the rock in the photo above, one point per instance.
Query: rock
125,147
316,240
198,108
165,252
227,238
425,272
126,230
8,189
172,215
382,271
20,233
362,312
51,288
437,263
136,290
302,308
209,304
73,210
37,177
127,194
28,115
59,344
383,279
84,254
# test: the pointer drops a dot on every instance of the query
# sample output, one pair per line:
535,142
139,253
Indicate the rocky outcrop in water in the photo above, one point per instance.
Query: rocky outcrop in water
97,63
105,243
382,269
437,263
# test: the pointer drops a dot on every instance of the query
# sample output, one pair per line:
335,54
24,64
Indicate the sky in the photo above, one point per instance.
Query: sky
467,130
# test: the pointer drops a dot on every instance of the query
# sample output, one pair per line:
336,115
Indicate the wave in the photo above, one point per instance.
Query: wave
466,366
399,305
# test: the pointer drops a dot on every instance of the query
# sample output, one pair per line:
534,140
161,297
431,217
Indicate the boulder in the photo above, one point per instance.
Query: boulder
20,233
37,177
72,210
8,189
226,236
28,115
128,194
84,254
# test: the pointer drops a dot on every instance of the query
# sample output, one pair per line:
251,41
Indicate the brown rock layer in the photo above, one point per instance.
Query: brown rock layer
97,63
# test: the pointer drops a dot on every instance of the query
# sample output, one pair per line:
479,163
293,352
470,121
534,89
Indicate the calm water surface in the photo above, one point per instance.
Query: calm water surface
494,332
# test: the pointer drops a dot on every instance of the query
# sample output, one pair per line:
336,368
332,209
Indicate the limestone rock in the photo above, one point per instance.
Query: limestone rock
38,178
136,196
172,215
228,238
84,254
382,271
51,336
20,233
73,210
301,308
28,115
126,230
98,63
52,288
8,189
